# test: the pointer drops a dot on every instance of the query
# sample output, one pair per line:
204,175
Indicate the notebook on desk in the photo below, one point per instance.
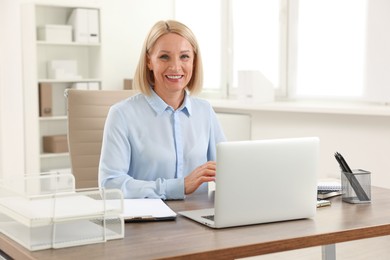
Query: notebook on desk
263,181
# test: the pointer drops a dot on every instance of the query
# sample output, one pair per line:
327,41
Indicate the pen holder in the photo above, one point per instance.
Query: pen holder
356,186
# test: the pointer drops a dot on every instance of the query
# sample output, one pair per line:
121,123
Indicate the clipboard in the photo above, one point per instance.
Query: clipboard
143,210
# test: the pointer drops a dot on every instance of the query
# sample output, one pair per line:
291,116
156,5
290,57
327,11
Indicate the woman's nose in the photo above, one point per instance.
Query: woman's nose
175,65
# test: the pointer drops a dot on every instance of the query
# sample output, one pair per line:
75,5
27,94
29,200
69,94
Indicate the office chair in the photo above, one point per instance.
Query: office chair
87,112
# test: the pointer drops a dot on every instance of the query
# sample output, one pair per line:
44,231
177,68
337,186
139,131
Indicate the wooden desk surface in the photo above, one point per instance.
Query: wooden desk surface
185,239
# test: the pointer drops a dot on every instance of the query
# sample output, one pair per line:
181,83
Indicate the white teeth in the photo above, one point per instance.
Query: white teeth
174,77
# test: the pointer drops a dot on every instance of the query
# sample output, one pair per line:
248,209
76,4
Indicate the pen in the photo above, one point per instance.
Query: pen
323,203
336,155
342,162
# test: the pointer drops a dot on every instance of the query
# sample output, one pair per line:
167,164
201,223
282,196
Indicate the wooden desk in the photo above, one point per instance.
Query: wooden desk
185,239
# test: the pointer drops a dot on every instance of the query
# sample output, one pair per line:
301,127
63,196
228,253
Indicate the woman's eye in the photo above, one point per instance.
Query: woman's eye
185,56
164,57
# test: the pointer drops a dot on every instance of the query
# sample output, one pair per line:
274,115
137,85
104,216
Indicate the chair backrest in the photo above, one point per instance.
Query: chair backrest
87,112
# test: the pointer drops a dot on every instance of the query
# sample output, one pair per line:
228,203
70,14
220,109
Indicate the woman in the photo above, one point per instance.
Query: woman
161,142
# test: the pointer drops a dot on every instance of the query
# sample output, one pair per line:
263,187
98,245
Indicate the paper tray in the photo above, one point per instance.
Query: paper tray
42,211
42,219
64,234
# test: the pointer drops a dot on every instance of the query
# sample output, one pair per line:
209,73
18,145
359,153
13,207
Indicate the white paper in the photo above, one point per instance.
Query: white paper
144,208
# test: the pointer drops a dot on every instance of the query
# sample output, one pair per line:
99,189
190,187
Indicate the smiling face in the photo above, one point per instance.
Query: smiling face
171,59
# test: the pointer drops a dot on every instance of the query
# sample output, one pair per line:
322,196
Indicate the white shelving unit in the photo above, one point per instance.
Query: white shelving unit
36,55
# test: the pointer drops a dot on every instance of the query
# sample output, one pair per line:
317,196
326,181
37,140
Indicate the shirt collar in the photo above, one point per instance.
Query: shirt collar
159,106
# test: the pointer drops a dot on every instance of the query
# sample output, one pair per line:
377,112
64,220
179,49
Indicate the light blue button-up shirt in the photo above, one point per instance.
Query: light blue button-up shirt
148,147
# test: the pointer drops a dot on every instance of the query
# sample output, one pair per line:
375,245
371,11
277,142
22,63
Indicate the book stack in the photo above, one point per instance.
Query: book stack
328,188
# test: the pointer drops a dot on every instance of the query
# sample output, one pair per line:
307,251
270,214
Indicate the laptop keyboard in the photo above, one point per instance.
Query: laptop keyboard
209,217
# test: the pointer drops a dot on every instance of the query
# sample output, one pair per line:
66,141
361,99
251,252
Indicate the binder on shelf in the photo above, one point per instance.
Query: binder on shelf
78,19
93,25
80,85
85,24
86,85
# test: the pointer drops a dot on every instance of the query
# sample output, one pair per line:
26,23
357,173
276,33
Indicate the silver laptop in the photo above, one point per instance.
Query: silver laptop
263,181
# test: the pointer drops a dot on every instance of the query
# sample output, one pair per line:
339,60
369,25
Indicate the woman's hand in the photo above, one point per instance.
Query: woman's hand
203,173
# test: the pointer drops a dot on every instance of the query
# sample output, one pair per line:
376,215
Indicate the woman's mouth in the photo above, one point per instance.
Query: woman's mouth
174,76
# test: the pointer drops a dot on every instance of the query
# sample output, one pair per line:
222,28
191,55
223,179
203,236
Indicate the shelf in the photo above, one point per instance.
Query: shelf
76,44
346,108
54,155
41,89
53,118
68,80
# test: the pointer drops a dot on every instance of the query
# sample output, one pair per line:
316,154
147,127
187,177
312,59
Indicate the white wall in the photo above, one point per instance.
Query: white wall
363,140
11,91
236,127
125,24
377,79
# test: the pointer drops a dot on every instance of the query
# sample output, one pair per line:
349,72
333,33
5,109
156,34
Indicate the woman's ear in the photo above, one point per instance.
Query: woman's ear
148,62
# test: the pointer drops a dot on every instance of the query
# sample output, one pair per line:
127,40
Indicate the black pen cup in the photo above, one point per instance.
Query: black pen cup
356,186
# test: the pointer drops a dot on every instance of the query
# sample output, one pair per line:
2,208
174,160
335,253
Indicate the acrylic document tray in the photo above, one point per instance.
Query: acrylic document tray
45,211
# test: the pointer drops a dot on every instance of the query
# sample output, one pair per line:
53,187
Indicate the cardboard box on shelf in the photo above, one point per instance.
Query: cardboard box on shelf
45,99
128,84
55,144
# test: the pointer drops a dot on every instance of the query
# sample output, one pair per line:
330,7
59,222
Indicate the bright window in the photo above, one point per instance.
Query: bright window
234,35
305,48
330,48
256,38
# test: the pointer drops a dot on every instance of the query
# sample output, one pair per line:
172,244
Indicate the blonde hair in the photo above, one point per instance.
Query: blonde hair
143,77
